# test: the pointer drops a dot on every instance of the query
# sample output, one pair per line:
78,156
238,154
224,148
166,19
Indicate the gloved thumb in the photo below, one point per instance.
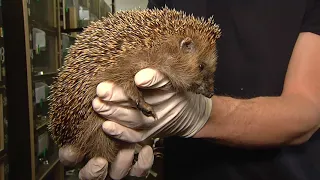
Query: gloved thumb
150,79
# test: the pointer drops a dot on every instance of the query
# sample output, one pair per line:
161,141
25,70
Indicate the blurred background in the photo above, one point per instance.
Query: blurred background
34,39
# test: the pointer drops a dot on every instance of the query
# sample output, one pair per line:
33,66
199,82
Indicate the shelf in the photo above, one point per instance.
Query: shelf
68,35
41,123
40,77
51,30
71,30
44,169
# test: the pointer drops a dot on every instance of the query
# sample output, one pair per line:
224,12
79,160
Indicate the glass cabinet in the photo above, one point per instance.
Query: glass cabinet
32,43
43,22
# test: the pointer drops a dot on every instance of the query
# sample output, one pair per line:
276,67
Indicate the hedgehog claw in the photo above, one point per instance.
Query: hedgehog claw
146,109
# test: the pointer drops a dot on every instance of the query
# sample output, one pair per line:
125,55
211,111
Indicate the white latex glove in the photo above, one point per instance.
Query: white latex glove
179,114
97,168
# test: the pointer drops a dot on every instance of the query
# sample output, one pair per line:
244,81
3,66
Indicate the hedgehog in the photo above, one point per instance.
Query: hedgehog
114,48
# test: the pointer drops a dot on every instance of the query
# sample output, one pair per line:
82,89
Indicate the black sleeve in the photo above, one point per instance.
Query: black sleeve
311,20
155,4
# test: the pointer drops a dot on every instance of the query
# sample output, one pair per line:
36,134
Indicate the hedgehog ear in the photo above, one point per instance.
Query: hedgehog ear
187,44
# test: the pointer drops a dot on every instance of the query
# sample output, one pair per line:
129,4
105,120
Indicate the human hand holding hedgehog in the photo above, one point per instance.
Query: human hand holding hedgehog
179,113
182,114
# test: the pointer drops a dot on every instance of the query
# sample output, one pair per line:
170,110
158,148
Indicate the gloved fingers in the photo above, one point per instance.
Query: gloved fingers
95,169
122,164
144,162
108,91
146,79
68,156
123,133
150,79
126,116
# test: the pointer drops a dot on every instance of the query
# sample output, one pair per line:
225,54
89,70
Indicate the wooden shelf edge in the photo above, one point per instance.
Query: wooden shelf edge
37,77
41,125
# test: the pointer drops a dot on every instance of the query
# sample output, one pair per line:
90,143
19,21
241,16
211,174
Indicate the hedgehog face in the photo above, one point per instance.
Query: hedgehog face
204,84
201,58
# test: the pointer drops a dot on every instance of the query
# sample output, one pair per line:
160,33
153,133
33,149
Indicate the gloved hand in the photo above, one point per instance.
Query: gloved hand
179,114
97,168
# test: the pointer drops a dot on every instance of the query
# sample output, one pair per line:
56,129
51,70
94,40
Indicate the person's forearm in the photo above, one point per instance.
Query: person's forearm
263,121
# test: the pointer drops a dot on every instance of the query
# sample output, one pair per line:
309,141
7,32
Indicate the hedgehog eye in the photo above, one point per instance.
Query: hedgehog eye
201,67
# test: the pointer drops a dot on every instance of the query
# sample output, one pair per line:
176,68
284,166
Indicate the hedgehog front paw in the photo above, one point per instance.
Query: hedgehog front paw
146,108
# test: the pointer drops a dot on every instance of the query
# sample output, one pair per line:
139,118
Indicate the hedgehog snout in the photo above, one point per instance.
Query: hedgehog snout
206,87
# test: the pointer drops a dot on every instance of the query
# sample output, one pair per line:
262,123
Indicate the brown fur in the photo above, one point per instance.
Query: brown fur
114,49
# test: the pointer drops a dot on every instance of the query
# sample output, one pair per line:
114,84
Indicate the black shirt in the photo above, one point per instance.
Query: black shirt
254,52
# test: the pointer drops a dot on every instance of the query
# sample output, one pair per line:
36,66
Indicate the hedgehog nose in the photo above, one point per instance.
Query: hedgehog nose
208,94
